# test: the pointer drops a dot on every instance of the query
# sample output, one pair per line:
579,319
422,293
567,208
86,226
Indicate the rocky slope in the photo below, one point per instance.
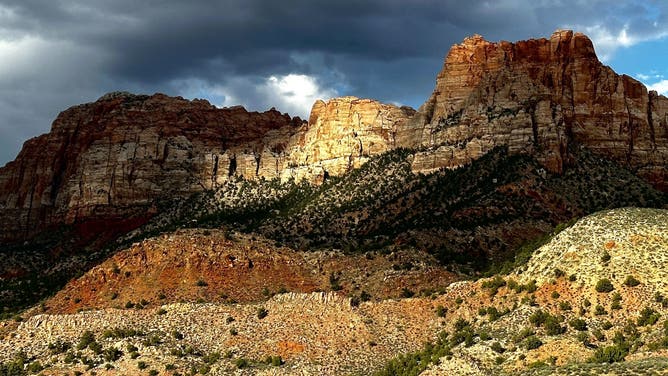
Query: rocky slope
217,266
109,160
503,325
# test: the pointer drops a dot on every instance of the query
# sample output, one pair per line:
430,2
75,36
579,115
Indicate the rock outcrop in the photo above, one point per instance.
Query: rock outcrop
341,135
539,97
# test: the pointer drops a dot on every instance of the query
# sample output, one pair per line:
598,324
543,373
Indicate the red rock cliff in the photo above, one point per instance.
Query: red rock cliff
539,97
110,159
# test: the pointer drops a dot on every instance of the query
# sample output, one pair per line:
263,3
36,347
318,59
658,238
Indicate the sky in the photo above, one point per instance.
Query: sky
284,54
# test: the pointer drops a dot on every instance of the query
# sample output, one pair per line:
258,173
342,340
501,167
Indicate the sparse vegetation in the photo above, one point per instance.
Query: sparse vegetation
604,285
631,281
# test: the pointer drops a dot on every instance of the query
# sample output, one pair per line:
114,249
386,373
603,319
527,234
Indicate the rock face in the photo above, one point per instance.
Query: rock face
539,96
109,160
112,158
341,135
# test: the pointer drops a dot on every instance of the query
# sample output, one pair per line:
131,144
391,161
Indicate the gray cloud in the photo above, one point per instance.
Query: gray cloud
59,53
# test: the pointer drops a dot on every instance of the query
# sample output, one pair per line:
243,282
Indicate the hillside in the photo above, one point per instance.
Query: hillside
506,324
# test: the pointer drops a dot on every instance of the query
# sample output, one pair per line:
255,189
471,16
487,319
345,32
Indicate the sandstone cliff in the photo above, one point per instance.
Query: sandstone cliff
538,97
109,160
112,158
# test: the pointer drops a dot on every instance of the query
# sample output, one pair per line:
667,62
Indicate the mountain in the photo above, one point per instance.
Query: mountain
516,138
109,160
151,232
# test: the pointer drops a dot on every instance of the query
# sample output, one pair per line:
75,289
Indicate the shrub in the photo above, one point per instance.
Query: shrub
441,311
334,282
558,273
112,354
461,323
494,313
494,284
34,367
538,318
599,310
59,347
177,335
648,316
631,281
407,293
142,364
583,337
609,354
153,372
605,258
578,324
211,358
524,333
553,326
275,361
161,311
530,287
201,283
241,363
555,295
152,340
86,339
262,313
604,285
565,305
532,342
496,347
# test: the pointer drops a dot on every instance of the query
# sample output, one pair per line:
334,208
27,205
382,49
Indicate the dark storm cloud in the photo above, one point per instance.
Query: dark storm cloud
59,53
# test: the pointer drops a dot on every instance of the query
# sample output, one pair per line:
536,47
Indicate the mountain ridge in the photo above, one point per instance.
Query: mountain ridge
109,159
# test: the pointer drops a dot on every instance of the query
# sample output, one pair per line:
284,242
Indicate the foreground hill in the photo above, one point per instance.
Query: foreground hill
525,322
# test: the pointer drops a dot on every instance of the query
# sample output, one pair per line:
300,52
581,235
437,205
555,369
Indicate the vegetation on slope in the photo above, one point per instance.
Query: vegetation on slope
475,217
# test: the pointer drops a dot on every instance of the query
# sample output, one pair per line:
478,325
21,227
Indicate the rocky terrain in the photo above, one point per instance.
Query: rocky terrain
546,317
